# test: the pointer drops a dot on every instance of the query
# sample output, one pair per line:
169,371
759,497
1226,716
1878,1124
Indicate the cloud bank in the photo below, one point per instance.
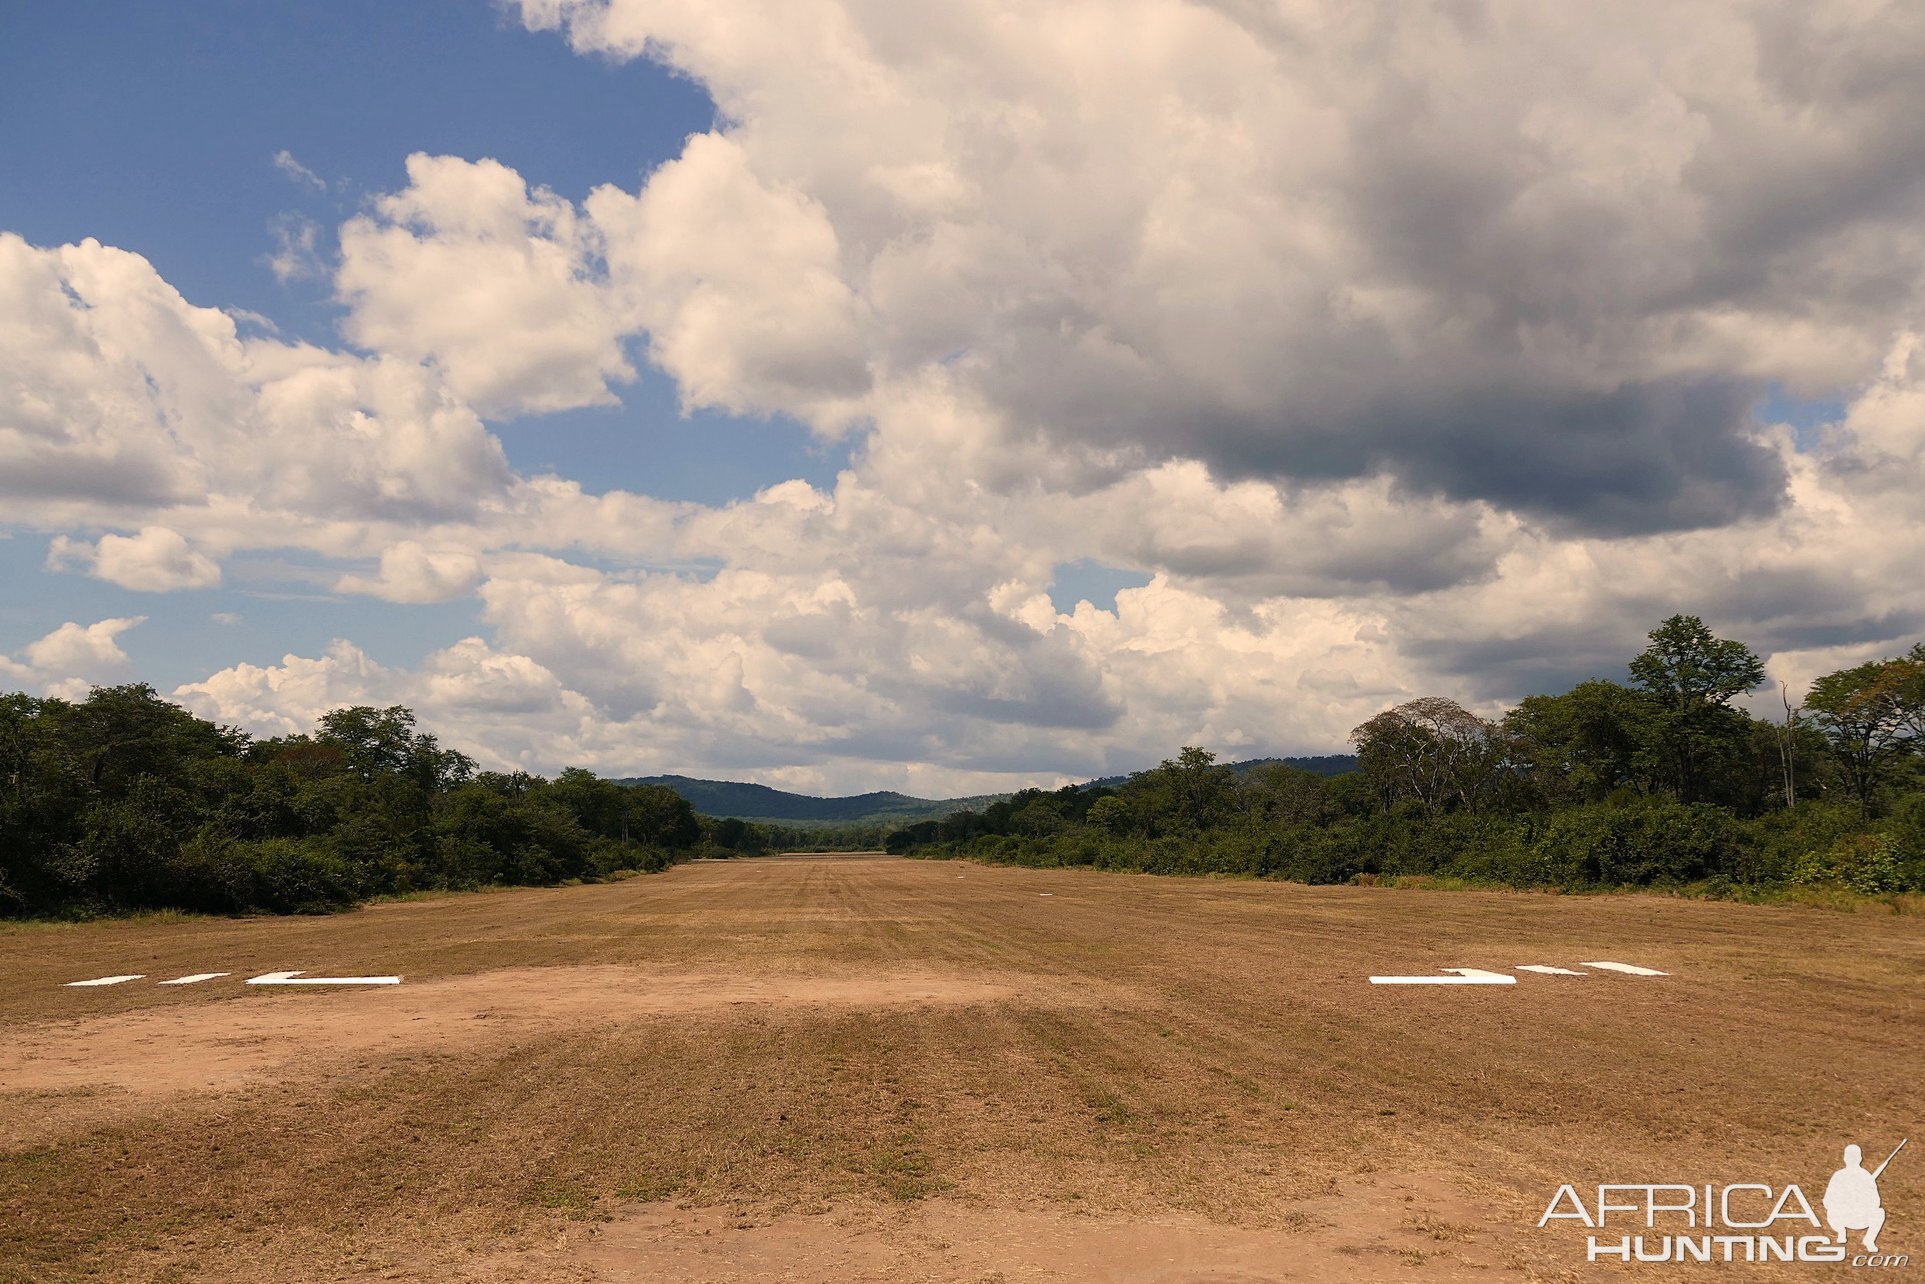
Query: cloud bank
1406,348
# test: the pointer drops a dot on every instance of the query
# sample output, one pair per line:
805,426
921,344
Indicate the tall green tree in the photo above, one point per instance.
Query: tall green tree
1592,741
1278,794
383,742
1869,716
1434,751
1911,695
119,734
1692,676
1185,794
660,817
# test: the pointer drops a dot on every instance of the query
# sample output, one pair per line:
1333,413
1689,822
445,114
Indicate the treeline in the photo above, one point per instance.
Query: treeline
125,801
840,836
1656,782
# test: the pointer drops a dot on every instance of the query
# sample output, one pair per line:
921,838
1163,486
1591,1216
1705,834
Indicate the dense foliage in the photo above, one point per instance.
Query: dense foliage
125,801
1658,782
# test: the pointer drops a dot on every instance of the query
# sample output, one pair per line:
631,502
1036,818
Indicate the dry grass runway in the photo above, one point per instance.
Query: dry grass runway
872,1069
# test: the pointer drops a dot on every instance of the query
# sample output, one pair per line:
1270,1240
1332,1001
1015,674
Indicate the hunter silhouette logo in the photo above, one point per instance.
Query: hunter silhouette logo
1851,1197
1749,1221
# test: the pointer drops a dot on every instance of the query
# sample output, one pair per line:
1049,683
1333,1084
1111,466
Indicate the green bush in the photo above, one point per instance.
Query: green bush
127,802
301,876
1666,844
1865,863
1586,847
1312,855
220,875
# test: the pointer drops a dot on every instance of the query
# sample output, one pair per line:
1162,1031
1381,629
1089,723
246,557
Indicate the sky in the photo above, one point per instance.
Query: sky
846,395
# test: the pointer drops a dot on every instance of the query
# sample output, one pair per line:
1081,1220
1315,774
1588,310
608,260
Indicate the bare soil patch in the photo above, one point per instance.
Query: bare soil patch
84,1068
855,1069
1379,1226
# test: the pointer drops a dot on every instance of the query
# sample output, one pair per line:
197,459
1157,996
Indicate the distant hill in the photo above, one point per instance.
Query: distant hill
1328,764
1325,764
726,798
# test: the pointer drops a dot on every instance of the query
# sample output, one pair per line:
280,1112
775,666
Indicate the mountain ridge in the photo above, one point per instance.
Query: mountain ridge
745,801
742,800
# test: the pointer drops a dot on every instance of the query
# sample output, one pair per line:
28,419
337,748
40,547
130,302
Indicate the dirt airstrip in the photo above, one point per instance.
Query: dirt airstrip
875,1069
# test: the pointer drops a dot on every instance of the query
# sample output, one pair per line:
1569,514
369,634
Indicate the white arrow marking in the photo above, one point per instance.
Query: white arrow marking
1549,971
108,980
196,978
1628,968
296,978
1465,976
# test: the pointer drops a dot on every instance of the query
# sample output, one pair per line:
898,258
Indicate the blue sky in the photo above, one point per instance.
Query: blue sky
154,126
345,349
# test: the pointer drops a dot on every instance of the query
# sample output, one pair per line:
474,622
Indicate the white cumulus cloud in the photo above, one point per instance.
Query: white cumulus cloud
120,399
75,657
412,572
1545,257
154,560
1402,348
469,269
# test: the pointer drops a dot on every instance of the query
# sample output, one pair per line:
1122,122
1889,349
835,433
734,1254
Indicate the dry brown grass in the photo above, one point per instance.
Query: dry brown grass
1134,1050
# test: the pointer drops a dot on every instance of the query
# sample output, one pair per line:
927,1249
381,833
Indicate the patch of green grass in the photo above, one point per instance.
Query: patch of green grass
568,1197
650,1187
1108,1107
905,1172
1452,883
72,917
1826,896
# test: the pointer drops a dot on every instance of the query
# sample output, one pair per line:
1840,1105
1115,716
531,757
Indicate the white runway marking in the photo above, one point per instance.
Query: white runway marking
108,980
195,979
1481,976
1628,968
296,978
1464,976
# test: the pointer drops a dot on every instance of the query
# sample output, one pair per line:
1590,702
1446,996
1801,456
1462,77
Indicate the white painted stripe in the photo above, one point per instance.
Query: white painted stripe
108,980
1474,977
1628,968
196,978
296,978
1549,971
